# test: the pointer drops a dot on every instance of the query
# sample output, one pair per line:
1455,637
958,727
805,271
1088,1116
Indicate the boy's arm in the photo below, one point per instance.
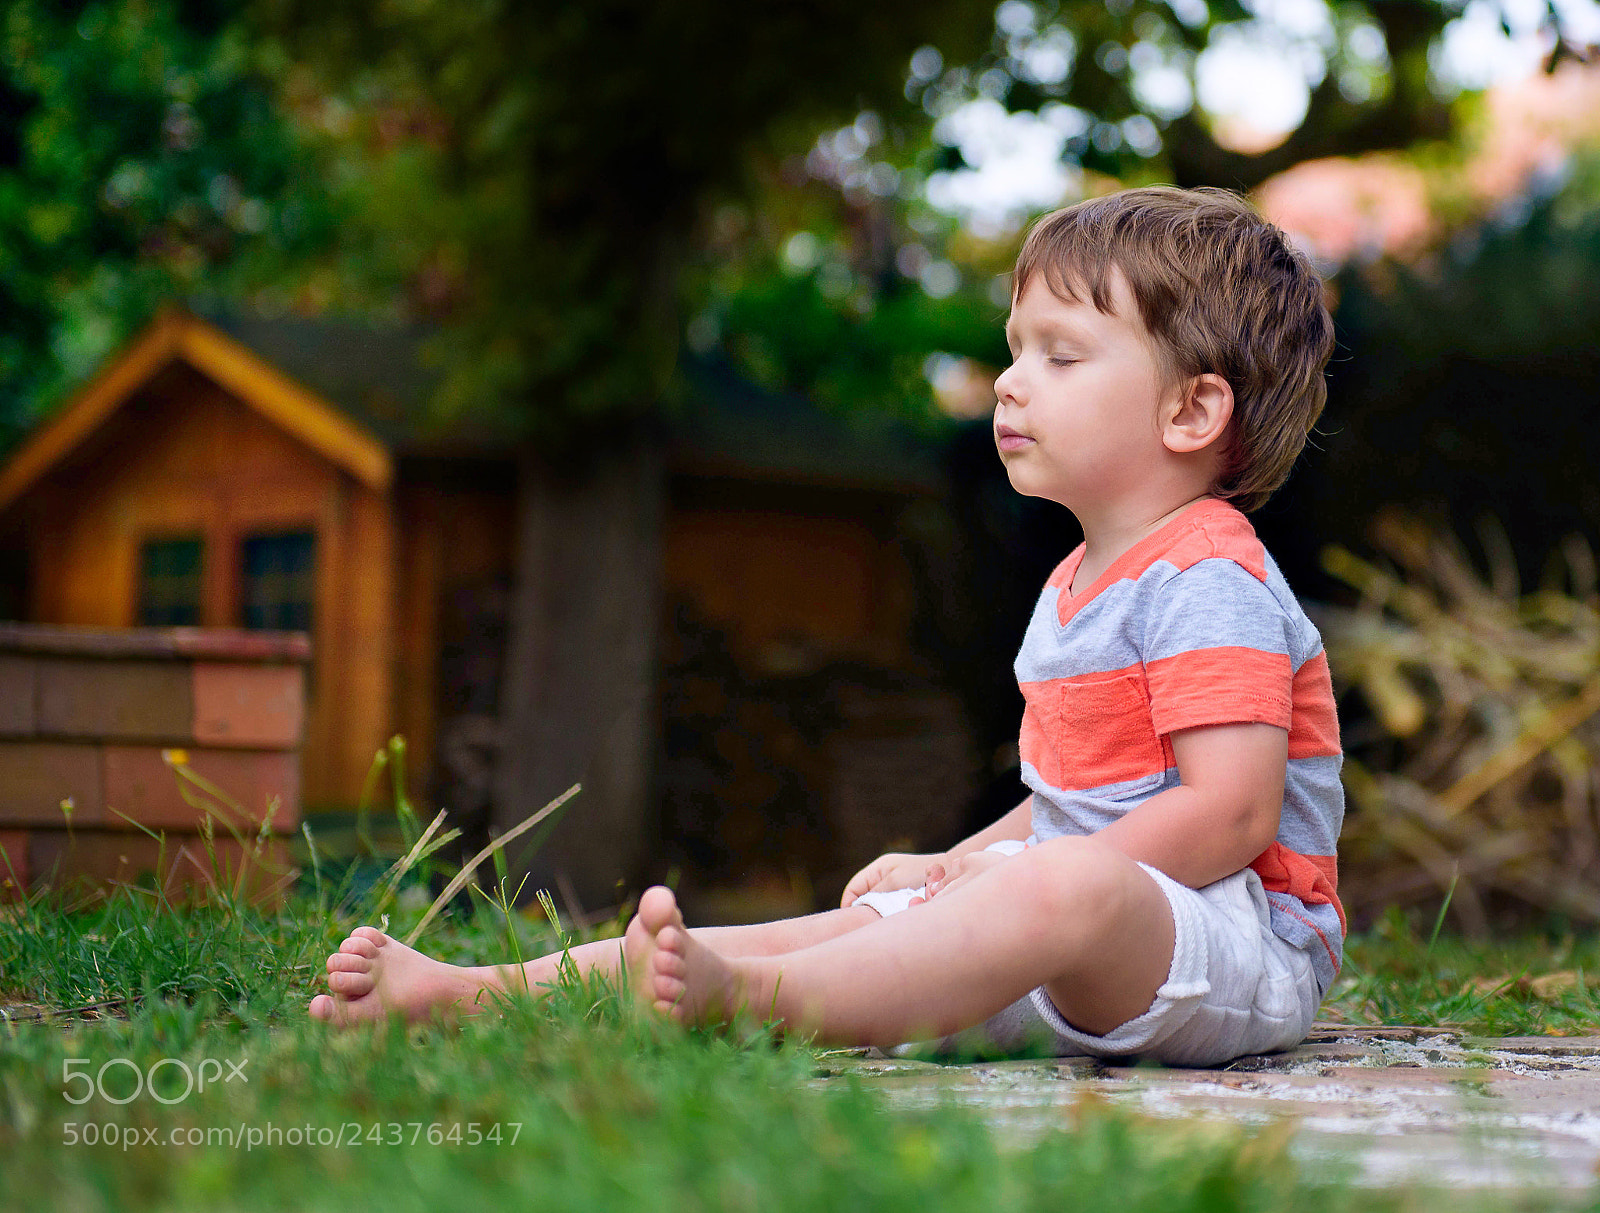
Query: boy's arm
1222,816
1213,824
1015,825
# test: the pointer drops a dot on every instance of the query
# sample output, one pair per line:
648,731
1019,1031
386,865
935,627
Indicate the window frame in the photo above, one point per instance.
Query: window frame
243,604
142,576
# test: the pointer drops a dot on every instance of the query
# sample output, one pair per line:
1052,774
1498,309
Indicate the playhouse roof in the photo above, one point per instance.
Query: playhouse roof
357,394
175,336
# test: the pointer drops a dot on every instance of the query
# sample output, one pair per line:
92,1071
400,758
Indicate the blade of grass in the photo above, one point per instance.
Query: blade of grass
404,813
1444,908
419,849
316,868
369,786
461,877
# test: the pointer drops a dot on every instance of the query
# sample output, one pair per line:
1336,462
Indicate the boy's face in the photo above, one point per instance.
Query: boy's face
1076,419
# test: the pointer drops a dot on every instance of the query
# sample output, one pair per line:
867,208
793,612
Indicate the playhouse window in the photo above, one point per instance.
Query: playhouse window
279,573
169,583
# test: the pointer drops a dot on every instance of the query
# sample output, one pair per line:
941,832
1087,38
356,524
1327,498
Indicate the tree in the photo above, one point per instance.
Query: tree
836,278
142,157
547,182
1470,397
550,181
558,167
563,157
539,177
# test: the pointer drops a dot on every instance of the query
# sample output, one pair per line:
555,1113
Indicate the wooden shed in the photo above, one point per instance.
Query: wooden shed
193,484
259,474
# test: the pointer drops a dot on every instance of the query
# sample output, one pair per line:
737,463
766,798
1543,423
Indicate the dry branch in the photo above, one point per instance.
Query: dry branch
1482,769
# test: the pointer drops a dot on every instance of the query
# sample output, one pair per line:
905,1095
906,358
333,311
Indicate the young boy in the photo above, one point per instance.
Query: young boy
1168,889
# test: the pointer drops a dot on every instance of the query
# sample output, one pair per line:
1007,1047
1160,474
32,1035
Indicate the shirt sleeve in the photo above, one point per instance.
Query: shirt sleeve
1217,650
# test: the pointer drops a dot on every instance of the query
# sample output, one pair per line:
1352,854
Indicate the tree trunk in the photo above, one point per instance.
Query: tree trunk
579,692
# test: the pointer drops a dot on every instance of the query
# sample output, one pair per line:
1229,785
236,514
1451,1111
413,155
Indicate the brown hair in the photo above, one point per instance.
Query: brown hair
1220,291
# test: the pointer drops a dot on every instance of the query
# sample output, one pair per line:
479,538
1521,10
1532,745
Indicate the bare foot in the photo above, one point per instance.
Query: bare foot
676,974
373,977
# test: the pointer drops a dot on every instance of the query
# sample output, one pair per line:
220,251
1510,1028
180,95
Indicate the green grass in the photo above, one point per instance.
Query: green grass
593,1106
1525,985
578,1112
579,1103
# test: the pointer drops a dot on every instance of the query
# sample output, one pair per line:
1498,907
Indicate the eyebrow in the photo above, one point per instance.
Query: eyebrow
1053,326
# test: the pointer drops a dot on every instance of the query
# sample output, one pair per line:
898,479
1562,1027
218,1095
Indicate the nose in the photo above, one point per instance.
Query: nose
1006,385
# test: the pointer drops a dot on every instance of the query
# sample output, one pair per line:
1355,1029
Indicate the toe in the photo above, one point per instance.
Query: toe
657,909
370,935
674,937
637,934
351,985
358,945
321,1007
349,962
669,964
668,992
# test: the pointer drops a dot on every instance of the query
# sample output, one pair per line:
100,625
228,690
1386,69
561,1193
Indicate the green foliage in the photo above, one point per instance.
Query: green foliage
614,1115
547,181
1525,985
575,1105
143,158
562,158
551,181
787,334
1519,283
1469,382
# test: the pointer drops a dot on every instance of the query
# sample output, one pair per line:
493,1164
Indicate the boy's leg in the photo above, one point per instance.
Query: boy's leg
1071,914
373,975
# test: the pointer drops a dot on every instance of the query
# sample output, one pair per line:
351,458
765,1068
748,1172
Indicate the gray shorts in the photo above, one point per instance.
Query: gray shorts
1234,987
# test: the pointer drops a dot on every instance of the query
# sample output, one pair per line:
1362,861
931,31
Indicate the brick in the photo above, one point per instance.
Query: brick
35,776
141,783
14,871
178,860
248,705
115,700
17,692
211,644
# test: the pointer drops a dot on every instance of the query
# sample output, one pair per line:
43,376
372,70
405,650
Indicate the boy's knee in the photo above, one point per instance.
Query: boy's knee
1081,878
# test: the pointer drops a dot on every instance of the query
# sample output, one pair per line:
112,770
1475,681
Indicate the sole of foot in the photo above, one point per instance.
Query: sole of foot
672,972
374,977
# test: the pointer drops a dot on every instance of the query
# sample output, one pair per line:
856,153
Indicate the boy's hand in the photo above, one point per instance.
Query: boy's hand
892,871
946,875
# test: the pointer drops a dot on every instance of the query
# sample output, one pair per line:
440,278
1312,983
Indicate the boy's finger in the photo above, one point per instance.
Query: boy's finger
862,882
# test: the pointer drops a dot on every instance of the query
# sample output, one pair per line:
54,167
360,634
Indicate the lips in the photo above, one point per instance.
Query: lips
1008,439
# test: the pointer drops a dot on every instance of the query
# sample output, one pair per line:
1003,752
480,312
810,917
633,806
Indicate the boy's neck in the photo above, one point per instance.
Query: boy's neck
1107,537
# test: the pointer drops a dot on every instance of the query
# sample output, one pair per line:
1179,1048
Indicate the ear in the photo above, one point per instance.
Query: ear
1198,415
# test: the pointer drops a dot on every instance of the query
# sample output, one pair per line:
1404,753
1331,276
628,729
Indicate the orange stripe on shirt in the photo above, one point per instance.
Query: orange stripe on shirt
1091,731
1225,685
1314,879
1315,733
1225,533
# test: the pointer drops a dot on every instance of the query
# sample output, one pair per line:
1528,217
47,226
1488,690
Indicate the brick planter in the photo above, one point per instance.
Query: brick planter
103,718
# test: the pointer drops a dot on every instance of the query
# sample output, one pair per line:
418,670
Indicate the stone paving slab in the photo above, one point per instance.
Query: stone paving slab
1384,1106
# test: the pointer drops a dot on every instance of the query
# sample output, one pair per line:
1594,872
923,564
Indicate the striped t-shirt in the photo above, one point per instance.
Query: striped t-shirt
1194,625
